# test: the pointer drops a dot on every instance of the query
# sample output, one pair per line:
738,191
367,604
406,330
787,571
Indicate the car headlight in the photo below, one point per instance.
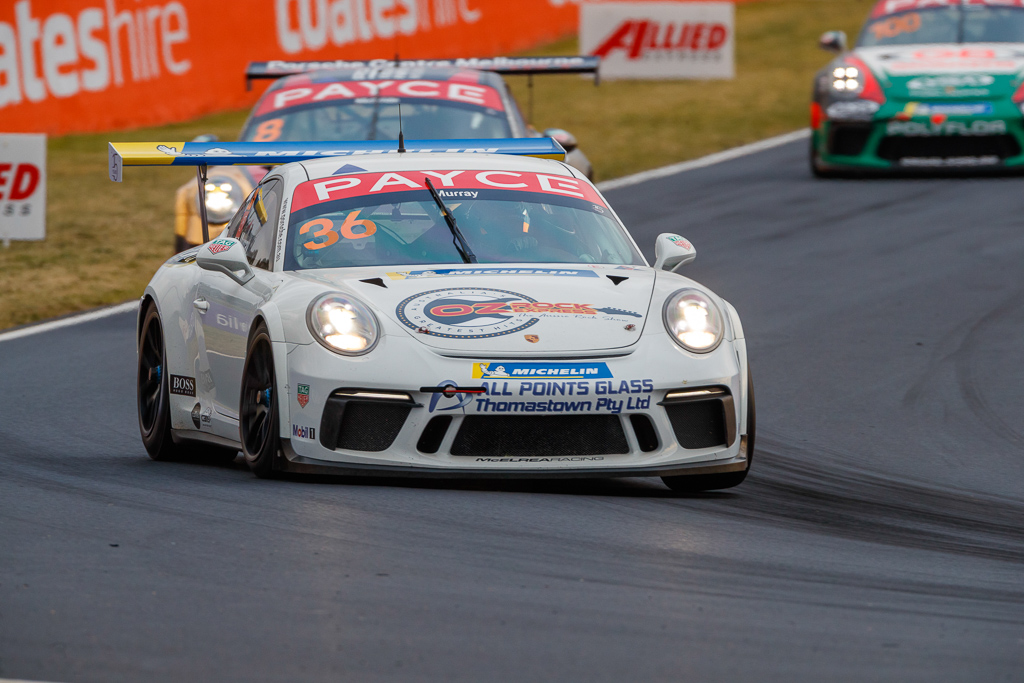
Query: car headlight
846,79
852,79
223,197
343,325
694,321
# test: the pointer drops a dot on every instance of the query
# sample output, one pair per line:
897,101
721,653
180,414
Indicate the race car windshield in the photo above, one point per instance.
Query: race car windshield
377,119
958,24
500,226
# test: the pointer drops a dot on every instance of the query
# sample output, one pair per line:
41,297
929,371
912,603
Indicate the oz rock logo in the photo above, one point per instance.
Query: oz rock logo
218,246
466,312
482,312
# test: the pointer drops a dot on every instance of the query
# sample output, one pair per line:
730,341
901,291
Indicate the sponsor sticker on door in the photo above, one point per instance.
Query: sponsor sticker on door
182,386
300,432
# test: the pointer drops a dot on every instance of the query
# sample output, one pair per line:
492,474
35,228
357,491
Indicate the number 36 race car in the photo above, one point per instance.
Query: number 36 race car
441,309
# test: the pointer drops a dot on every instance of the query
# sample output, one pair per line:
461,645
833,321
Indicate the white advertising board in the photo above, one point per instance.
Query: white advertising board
22,187
660,40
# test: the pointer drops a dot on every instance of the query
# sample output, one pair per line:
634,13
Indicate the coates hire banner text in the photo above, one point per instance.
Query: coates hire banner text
660,39
93,65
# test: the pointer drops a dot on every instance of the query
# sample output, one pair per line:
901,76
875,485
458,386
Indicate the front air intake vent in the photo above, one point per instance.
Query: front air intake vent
701,417
433,434
496,436
848,140
1001,147
363,420
646,435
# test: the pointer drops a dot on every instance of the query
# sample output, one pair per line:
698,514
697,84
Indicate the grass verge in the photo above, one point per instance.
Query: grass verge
104,240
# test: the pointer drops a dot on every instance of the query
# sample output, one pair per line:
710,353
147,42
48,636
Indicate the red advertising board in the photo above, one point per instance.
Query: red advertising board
92,65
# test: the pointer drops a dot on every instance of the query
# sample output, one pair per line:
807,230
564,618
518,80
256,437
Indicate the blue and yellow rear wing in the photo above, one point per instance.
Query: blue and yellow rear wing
581,64
121,154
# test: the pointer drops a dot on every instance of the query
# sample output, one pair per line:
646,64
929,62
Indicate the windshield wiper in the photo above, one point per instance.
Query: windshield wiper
457,239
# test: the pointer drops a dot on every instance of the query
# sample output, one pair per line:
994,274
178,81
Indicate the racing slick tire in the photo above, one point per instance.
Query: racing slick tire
258,416
711,482
816,170
154,401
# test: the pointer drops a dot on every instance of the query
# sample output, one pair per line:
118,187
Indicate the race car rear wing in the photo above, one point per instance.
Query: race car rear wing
121,154
204,154
526,66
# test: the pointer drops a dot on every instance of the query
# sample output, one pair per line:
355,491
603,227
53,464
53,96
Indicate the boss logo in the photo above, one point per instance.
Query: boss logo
182,386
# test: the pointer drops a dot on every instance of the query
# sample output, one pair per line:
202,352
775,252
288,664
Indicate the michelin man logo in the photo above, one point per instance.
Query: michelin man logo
173,152
488,372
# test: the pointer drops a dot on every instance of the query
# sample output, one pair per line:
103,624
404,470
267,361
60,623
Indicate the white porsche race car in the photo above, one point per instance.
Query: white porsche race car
466,312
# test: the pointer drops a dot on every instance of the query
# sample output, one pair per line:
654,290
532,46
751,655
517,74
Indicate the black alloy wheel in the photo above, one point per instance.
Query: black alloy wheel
153,401
696,483
816,170
258,420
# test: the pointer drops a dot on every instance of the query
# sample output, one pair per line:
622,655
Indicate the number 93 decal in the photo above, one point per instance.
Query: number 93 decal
324,233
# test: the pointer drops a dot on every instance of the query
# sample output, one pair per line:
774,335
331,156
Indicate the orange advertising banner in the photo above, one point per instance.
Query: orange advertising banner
93,65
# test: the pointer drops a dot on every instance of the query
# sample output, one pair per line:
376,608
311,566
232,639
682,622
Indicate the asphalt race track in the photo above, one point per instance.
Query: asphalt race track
880,536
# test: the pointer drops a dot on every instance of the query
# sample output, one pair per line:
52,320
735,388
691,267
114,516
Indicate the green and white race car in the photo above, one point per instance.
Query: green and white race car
930,84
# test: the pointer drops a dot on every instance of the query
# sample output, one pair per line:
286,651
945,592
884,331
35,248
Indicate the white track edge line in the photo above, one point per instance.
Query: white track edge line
625,181
702,162
98,314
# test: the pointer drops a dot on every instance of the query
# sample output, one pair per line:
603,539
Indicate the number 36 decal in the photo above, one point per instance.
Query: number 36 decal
324,229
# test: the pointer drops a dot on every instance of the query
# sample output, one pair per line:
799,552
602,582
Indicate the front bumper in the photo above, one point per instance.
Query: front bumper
642,404
889,144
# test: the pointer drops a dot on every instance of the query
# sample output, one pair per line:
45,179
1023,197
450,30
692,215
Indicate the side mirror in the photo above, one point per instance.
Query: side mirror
563,137
208,137
672,252
833,41
225,255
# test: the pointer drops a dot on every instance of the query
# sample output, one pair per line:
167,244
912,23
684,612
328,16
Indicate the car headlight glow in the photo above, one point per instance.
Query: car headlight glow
845,79
343,324
223,197
694,321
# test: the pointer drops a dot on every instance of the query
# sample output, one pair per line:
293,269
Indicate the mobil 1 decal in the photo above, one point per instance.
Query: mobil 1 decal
483,312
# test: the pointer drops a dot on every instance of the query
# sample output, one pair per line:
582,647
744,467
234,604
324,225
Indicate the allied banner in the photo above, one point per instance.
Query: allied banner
22,187
656,40
93,65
